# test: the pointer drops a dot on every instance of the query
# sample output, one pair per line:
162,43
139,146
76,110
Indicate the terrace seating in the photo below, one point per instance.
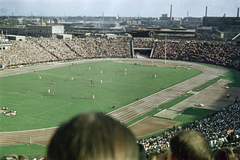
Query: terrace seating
41,51
214,128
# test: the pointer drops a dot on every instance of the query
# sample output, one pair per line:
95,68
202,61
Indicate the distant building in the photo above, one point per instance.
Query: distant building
64,36
13,30
15,38
45,31
223,23
176,33
164,15
113,36
162,33
230,26
107,24
134,22
34,30
5,47
116,29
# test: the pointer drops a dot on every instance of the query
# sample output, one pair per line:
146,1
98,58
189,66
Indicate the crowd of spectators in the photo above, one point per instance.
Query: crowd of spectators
23,53
85,47
224,54
58,48
140,43
173,48
221,129
114,48
217,53
40,51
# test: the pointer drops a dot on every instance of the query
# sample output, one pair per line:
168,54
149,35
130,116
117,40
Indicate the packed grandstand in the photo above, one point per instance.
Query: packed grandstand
40,51
221,129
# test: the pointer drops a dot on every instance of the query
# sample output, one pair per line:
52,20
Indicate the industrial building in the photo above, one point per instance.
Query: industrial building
162,33
228,26
64,36
15,38
5,47
34,30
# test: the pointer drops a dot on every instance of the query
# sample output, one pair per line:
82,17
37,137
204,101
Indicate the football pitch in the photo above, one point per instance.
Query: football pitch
40,109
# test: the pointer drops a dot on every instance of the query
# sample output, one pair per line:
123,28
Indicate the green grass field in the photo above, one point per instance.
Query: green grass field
39,109
31,151
191,114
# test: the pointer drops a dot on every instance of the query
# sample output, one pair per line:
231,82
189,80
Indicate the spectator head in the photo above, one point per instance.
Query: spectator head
12,157
224,154
142,152
22,157
190,145
236,151
93,136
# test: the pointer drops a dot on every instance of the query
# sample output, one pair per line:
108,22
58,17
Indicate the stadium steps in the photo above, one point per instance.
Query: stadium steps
47,50
72,49
178,57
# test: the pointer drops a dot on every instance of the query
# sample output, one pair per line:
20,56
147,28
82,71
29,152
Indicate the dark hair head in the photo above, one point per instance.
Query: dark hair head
224,154
91,136
236,151
189,145
22,157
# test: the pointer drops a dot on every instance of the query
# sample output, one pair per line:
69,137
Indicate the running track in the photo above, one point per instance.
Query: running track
124,114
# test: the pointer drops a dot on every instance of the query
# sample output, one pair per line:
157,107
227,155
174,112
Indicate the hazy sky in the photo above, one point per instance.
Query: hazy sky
125,8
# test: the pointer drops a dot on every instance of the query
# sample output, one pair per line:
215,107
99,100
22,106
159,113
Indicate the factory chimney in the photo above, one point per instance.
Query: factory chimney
187,14
206,12
238,12
41,19
103,16
171,15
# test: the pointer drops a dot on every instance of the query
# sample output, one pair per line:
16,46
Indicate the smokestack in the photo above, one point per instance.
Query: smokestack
187,14
206,12
103,16
171,15
41,21
238,12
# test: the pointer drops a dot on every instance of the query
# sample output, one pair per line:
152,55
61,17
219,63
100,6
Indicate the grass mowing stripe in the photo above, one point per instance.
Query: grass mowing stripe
162,107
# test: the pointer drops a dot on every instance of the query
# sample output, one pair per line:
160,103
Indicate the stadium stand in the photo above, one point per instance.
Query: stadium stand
220,129
139,43
41,51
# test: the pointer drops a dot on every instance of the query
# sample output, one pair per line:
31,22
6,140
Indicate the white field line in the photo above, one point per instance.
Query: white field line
137,121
